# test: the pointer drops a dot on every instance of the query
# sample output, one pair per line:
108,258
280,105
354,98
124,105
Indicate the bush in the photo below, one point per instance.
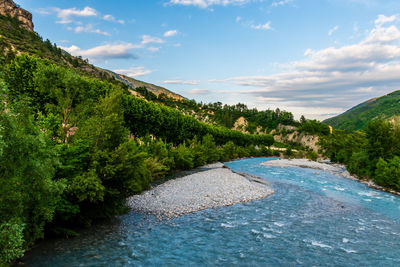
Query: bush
229,151
183,157
11,242
314,127
387,174
289,153
210,149
358,164
312,156
276,153
266,152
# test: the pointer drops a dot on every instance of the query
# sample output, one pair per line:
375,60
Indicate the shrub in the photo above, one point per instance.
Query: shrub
387,174
311,155
183,157
11,242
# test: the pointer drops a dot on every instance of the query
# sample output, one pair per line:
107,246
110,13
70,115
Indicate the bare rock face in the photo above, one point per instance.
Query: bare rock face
310,141
241,124
8,7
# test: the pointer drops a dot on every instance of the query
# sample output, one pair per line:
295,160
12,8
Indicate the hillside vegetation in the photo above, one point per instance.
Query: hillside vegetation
357,118
15,39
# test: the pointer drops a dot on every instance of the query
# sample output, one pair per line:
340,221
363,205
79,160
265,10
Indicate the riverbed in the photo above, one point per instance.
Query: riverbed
314,218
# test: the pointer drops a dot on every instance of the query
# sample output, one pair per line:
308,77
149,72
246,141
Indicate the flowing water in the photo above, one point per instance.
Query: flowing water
313,219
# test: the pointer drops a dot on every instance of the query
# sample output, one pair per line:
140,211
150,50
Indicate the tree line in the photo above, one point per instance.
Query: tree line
226,115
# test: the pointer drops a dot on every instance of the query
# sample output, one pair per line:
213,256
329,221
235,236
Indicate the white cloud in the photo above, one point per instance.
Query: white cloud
111,18
207,3
364,89
331,31
238,19
170,33
65,15
198,92
134,71
333,79
112,51
270,99
88,29
382,19
266,26
281,3
382,35
108,51
147,39
180,82
154,49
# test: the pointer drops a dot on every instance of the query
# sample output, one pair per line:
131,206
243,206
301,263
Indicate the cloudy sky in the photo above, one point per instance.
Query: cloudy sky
311,57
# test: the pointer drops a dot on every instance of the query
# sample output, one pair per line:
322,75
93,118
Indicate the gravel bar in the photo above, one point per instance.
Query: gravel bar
335,169
212,188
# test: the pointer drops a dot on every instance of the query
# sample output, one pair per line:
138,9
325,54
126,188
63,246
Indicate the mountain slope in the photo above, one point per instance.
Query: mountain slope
133,83
16,37
386,107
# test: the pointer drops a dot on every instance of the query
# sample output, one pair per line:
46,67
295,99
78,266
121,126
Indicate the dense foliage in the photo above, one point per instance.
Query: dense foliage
143,117
371,154
28,192
358,118
73,148
225,115
314,127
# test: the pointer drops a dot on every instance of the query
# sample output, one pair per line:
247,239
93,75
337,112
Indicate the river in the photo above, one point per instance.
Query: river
314,218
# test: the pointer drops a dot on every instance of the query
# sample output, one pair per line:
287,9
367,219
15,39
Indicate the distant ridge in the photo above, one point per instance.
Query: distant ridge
386,107
133,83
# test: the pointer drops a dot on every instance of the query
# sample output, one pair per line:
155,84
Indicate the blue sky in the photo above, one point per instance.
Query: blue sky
311,57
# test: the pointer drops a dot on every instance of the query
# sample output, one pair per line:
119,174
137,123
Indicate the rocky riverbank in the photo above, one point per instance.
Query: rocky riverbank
336,169
212,188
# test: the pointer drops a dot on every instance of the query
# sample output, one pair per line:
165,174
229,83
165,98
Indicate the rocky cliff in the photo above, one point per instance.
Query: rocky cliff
310,141
8,7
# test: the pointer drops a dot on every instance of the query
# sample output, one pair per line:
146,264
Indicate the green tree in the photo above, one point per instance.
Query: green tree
11,242
183,157
387,174
380,141
210,149
28,193
19,77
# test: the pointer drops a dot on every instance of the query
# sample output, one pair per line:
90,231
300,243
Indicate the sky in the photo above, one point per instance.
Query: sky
316,58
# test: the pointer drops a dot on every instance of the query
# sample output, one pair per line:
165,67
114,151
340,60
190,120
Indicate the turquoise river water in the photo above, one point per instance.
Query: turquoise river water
313,219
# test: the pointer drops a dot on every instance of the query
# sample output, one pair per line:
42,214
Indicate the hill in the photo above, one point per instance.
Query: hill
386,107
133,84
17,36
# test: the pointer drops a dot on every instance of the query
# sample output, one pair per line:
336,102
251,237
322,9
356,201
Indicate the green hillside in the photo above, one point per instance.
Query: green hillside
133,83
386,107
15,39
